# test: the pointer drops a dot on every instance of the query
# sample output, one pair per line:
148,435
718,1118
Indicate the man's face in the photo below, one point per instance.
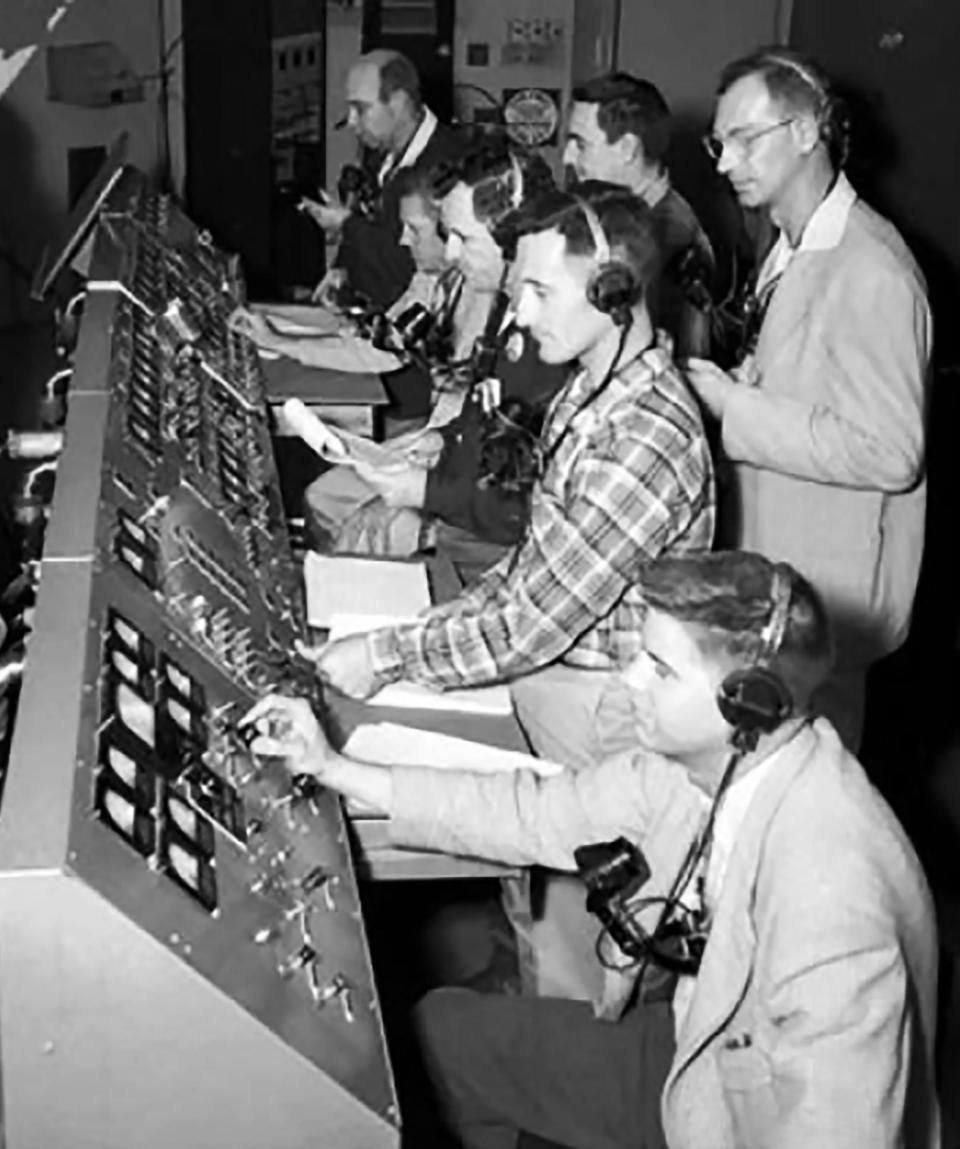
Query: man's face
421,234
762,149
371,120
469,245
588,154
675,692
550,297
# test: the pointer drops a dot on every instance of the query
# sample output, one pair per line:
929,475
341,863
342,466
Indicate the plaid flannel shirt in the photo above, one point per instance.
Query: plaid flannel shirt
632,479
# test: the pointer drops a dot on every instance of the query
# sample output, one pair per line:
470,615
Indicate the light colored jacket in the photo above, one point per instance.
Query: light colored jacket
828,449
812,1020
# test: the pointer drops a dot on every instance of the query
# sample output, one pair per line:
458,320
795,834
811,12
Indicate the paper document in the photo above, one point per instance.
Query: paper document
493,700
389,744
364,589
334,444
300,318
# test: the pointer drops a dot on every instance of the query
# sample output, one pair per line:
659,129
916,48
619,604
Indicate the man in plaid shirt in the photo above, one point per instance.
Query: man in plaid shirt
627,475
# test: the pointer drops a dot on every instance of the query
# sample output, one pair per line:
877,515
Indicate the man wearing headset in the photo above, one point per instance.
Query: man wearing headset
823,421
626,475
781,895
443,488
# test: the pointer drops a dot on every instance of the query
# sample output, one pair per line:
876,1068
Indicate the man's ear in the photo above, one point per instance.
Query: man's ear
806,132
630,148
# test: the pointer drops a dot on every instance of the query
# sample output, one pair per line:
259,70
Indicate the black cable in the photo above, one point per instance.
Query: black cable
672,899
612,372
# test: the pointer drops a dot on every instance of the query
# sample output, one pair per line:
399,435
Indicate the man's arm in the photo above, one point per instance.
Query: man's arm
623,505
520,818
873,363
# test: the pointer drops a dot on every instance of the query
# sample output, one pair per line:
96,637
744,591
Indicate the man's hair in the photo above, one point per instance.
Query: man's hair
627,104
503,181
416,181
799,85
398,74
725,597
624,219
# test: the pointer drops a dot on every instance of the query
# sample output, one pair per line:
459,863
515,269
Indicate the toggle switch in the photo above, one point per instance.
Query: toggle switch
304,956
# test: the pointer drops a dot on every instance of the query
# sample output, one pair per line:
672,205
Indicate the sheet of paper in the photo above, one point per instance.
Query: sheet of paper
493,700
335,444
390,744
300,318
362,588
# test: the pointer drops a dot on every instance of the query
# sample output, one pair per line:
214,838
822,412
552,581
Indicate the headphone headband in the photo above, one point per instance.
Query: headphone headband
755,700
814,82
516,194
776,625
597,234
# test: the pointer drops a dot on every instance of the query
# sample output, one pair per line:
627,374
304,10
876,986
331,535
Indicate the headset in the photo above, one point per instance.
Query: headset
832,119
755,700
613,287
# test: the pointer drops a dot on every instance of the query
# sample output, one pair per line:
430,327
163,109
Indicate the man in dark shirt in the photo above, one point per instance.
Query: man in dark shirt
469,480
397,130
618,130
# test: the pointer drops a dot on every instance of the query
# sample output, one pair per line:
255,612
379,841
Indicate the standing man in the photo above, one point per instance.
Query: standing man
619,131
823,421
397,130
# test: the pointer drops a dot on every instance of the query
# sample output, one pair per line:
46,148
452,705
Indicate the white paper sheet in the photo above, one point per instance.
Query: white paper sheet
389,744
335,444
363,589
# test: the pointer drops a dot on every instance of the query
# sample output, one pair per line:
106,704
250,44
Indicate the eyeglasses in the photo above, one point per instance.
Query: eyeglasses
740,141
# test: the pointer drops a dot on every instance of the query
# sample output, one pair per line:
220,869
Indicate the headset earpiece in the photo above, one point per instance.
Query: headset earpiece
756,700
613,287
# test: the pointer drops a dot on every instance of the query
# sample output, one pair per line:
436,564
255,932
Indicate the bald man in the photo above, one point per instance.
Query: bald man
395,130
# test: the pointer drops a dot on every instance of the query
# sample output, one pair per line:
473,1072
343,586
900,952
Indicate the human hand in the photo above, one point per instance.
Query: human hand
345,665
326,212
252,324
288,728
712,384
422,448
403,484
326,290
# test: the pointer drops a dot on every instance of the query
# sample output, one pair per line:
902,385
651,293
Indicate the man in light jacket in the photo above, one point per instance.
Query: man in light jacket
823,421
782,893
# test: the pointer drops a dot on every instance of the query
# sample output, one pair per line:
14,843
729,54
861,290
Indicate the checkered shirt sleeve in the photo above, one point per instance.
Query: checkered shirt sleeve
630,480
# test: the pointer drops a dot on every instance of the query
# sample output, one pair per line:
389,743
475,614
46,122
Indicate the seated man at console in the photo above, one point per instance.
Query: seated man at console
624,474
775,979
462,486
318,337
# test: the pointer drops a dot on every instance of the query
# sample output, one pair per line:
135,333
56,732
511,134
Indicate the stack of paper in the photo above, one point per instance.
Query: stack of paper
365,590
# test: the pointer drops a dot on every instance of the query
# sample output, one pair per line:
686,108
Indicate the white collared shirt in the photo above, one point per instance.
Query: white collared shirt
823,232
413,150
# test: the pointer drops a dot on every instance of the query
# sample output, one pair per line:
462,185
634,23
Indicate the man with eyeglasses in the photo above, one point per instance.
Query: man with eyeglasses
822,422
807,1017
